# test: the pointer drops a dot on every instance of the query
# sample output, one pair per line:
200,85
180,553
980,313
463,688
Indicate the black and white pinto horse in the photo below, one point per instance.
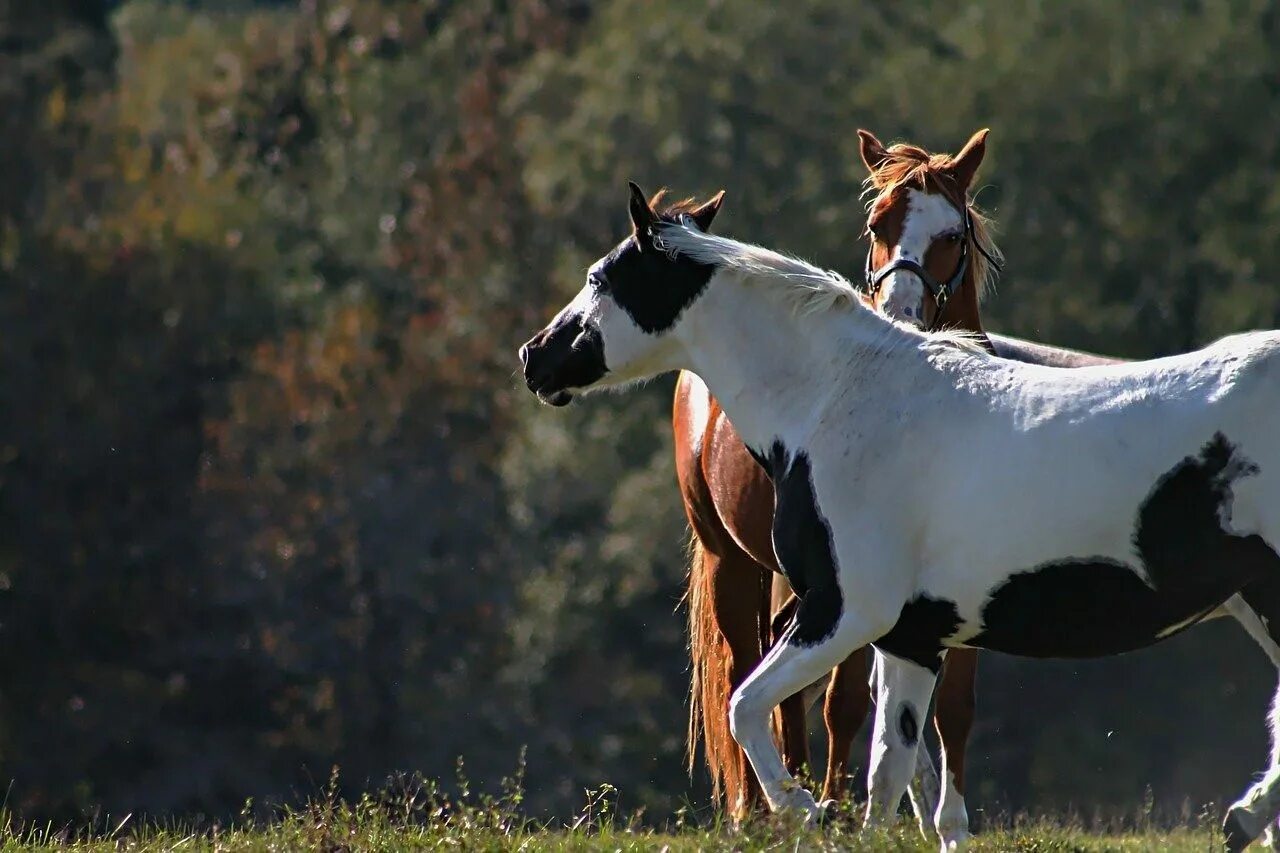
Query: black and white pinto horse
1097,510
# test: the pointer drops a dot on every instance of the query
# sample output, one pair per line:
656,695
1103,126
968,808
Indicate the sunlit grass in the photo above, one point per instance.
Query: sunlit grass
418,815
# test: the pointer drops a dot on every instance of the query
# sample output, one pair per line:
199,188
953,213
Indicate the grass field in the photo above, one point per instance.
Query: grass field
418,816
302,836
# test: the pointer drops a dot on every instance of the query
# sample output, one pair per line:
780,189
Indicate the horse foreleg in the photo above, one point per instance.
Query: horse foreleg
843,710
922,791
902,699
789,719
953,717
788,668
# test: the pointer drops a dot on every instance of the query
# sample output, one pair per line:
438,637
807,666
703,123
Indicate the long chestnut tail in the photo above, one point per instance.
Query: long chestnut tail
711,683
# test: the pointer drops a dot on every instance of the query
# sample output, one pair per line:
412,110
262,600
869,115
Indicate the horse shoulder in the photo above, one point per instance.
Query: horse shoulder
740,489
867,506
691,423
690,412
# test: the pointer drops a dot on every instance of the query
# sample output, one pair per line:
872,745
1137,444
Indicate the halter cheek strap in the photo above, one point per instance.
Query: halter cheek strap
941,291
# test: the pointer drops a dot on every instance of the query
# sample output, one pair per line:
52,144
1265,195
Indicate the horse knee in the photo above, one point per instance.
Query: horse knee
745,711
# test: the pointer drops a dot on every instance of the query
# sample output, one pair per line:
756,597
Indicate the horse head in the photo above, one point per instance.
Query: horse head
930,252
617,329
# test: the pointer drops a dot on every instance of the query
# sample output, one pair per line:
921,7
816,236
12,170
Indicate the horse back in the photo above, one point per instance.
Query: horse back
1017,349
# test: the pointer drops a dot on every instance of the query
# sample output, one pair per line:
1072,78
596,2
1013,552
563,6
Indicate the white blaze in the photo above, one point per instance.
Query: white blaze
929,216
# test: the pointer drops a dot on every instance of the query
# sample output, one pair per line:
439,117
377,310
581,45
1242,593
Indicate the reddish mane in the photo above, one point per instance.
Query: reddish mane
674,210
910,166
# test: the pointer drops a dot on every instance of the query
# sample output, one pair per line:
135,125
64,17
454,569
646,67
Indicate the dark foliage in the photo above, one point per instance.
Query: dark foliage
271,496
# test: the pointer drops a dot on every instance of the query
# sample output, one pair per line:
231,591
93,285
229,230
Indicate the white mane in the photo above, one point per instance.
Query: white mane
810,289
814,289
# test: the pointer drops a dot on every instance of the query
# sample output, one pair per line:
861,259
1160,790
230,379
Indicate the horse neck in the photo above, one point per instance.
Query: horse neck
770,366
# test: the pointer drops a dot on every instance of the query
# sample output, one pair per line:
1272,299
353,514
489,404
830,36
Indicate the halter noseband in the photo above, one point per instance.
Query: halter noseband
941,291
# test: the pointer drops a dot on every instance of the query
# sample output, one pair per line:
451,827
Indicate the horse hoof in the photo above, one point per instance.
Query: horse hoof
1236,836
953,841
802,801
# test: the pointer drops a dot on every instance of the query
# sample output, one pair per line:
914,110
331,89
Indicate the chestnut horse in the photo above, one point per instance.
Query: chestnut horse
739,601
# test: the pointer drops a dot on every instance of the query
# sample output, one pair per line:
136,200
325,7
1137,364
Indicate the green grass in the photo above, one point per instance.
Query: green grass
300,833
347,832
418,816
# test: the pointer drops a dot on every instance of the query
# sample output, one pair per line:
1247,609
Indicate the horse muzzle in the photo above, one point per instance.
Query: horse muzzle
562,358
901,303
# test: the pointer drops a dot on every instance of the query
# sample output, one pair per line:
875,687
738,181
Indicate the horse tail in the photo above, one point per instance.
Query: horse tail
711,686
706,657
717,661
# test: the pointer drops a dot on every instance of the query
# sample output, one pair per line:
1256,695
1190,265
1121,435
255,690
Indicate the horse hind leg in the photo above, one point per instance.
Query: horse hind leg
1257,608
843,710
953,717
923,790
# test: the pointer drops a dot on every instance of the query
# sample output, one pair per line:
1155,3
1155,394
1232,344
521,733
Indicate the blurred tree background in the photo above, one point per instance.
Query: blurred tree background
272,497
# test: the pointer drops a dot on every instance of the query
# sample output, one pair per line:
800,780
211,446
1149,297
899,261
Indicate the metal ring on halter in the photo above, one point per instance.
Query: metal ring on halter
941,291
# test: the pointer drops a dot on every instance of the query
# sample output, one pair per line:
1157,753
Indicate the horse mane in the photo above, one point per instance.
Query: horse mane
672,211
912,166
818,289
808,289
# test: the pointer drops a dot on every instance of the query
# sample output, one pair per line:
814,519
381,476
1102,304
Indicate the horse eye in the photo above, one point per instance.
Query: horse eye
953,237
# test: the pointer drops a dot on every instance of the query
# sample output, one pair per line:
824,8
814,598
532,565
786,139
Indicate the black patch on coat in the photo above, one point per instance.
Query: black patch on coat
1093,606
1263,598
802,543
921,627
650,285
783,617
907,725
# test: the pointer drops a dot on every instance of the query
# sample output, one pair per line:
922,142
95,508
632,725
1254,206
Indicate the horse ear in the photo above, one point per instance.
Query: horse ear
642,216
704,213
874,154
965,164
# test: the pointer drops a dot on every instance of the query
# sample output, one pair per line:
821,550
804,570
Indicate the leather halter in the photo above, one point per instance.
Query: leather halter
941,291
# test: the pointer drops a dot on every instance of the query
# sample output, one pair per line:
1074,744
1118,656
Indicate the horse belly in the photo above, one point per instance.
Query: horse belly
1183,559
1083,609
